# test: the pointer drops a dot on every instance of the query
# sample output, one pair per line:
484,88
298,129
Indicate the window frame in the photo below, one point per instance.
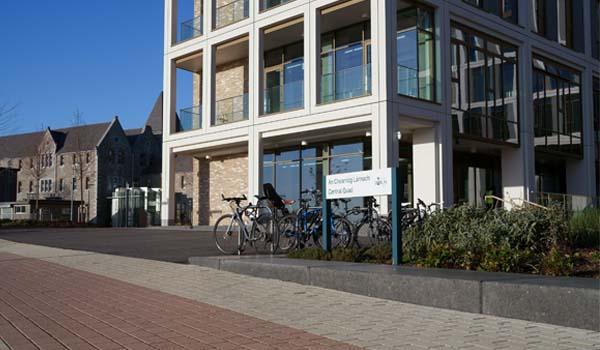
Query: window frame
465,42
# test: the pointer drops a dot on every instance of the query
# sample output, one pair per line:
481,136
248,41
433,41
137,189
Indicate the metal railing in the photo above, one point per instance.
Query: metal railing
191,118
346,83
285,97
569,202
232,109
191,29
232,12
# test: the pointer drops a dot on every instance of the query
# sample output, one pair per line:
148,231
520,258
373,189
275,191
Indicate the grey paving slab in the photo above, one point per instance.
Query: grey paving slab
371,322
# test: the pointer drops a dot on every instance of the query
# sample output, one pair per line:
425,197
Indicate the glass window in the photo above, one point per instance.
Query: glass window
415,53
294,170
345,63
284,79
557,108
484,87
505,9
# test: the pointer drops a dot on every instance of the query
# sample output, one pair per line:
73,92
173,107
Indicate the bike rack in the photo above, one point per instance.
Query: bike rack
396,208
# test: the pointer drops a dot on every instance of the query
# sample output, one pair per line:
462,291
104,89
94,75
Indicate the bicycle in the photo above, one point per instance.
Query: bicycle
232,234
376,228
296,230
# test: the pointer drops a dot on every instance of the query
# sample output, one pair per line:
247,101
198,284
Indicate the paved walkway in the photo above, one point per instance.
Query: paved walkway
60,299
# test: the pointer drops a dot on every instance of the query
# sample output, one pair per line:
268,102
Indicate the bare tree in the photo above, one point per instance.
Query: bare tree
7,118
83,164
35,169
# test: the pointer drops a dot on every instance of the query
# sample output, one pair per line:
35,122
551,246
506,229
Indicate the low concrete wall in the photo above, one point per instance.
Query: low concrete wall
572,302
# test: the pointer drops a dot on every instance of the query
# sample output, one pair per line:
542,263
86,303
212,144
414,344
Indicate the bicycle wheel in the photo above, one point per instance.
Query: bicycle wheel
287,229
342,233
379,231
264,233
227,232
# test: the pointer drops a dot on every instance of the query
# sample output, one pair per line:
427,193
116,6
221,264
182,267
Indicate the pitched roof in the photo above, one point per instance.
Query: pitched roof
155,119
77,138
19,146
81,138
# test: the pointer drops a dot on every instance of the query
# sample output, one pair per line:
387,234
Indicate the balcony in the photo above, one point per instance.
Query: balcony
190,118
283,98
345,51
346,83
190,29
231,12
230,110
188,92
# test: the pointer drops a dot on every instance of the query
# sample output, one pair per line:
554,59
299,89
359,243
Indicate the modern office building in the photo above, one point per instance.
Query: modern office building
467,97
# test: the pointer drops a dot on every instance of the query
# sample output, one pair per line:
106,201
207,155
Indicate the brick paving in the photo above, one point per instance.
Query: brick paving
358,320
44,305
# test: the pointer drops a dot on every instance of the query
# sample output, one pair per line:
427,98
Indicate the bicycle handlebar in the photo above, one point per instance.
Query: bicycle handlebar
233,199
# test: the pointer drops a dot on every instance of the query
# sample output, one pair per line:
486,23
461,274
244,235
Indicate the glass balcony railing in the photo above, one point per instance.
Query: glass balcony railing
232,12
190,118
408,81
346,83
267,4
190,29
285,97
230,110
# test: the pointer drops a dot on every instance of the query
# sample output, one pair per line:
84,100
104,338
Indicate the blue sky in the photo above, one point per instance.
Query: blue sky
104,58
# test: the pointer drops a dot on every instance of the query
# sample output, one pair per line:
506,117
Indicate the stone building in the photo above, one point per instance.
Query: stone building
43,173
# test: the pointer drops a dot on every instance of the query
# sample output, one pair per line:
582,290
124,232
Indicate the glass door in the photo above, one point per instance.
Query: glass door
273,91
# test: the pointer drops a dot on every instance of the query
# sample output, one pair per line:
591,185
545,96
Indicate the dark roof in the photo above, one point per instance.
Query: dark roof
81,138
155,119
77,138
20,146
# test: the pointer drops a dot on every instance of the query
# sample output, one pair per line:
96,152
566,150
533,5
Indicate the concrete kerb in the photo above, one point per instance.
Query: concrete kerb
571,302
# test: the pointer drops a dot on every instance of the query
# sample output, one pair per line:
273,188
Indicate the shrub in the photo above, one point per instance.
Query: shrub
378,254
347,254
473,238
559,262
312,253
585,228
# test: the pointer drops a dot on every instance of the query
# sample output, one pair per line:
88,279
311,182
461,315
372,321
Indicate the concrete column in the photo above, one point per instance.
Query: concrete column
255,59
309,62
445,146
169,97
167,212
171,7
312,72
208,16
255,161
208,81
426,147
518,165
384,124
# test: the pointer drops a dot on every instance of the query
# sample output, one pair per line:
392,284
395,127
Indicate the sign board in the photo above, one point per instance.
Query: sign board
360,184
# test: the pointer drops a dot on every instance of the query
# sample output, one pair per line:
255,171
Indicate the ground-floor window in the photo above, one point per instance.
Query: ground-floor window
550,175
293,170
475,177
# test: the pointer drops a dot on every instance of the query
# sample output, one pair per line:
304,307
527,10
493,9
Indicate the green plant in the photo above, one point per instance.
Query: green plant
378,254
312,253
585,228
347,254
559,262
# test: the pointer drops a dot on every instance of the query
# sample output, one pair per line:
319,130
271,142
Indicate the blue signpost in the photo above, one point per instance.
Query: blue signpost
396,208
326,241
396,214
